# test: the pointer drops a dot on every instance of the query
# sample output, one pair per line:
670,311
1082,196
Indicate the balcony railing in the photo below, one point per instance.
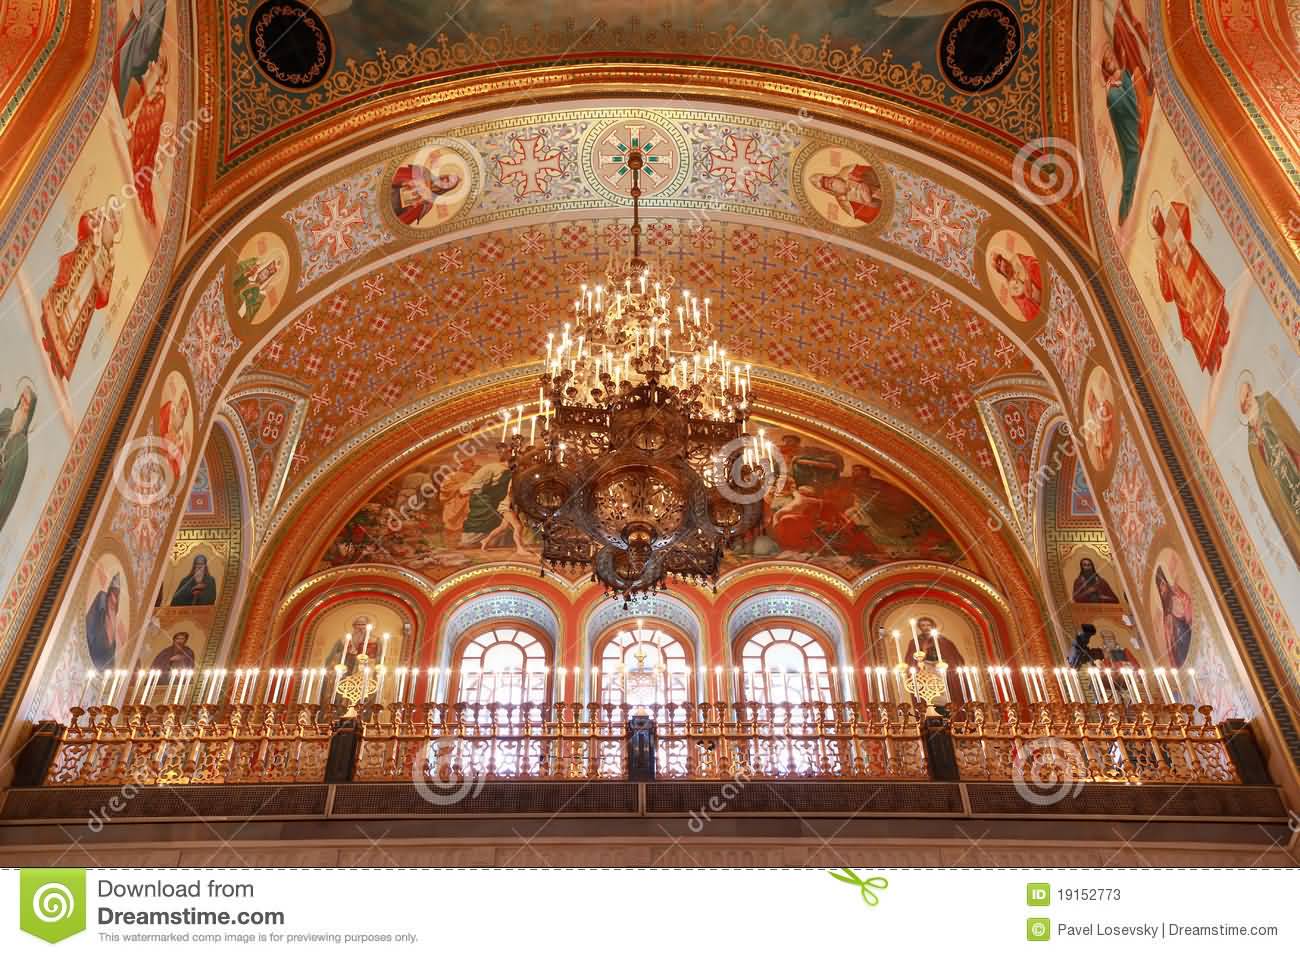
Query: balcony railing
1115,743
692,742
286,743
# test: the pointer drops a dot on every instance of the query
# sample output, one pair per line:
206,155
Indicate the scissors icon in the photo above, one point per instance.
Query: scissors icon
867,886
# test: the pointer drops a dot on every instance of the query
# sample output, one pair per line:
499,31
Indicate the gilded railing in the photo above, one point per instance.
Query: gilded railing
843,741
1115,743
200,744
448,744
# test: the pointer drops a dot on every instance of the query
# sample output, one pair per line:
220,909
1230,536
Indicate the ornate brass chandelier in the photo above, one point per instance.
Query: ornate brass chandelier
638,460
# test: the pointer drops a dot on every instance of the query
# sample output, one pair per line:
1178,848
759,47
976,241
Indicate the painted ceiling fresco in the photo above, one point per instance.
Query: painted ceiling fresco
828,508
283,71
474,306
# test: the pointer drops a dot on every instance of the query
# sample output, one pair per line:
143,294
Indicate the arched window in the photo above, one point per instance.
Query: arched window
644,666
784,665
503,666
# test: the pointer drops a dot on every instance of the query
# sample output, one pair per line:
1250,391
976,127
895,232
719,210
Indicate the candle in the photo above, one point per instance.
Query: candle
934,636
993,680
401,683
1146,686
383,652
1078,688
1011,686
203,686
1178,683
717,682
898,647
880,683
916,635
1196,685
1098,689
1166,693
1060,682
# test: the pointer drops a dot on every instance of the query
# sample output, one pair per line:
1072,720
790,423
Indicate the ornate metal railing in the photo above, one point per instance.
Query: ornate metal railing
1116,743
247,744
447,745
451,744
844,741
179,744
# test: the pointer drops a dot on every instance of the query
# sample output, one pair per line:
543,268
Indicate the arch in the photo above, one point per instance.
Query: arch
482,610
643,663
789,609
784,661
501,662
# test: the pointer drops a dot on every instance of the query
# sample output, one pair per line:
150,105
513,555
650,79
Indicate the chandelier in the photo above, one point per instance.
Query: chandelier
638,460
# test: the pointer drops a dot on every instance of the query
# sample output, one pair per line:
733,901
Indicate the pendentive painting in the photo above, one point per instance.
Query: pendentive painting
451,511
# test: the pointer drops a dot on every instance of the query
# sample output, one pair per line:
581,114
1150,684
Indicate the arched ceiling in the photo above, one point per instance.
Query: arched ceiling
975,81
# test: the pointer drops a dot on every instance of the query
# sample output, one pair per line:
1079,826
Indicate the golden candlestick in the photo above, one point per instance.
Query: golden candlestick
925,682
359,685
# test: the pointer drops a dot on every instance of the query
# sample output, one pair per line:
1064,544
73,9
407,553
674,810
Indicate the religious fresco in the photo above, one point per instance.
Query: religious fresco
451,511
1014,275
842,186
1091,577
84,268
260,278
1218,339
936,629
431,185
1100,419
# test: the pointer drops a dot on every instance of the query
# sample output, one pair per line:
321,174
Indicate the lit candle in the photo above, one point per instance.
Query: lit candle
1098,689
898,646
1178,683
717,682
993,681
401,683
203,686
1146,686
916,635
1029,685
139,687
428,685
1060,681
1165,693
934,636
1196,685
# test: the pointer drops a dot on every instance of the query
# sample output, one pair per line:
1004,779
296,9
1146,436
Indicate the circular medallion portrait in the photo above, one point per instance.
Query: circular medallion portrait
106,615
664,154
176,426
1100,424
1173,610
431,185
260,277
1014,275
841,186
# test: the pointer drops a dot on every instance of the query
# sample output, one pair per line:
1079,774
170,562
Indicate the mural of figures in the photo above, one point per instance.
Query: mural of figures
198,587
1099,418
15,422
429,187
106,618
81,287
260,277
842,186
362,625
937,630
1274,447
1090,587
176,424
177,656
1126,73
141,70
450,511
1015,275
1173,610
1187,281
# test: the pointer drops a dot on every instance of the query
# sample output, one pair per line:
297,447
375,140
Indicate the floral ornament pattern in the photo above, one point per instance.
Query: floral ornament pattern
935,223
1066,338
209,342
141,524
1135,516
339,224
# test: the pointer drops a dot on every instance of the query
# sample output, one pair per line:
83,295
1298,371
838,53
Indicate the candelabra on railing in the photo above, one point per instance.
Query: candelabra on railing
1077,741
404,742
191,744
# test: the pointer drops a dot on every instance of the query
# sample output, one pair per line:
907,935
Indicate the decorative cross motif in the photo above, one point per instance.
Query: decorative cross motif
739,165
530,167
938,230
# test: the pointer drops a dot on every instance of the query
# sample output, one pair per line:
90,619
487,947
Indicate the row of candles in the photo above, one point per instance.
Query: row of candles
278,686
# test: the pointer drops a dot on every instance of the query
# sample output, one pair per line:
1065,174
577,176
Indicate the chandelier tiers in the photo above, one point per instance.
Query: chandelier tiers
638,460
